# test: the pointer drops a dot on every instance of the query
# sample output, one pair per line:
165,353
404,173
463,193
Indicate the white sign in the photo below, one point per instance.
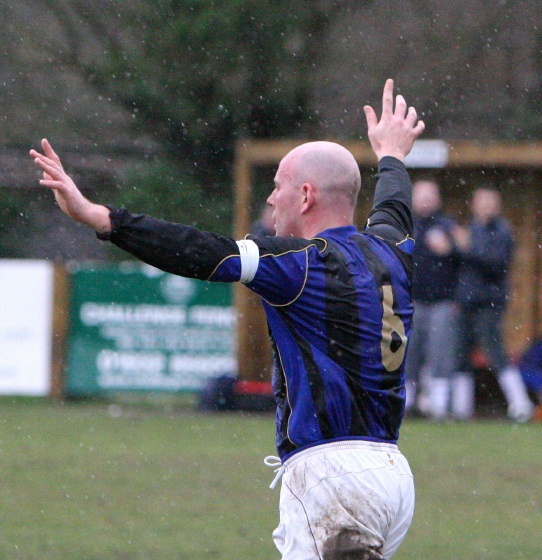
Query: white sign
428,154
26,306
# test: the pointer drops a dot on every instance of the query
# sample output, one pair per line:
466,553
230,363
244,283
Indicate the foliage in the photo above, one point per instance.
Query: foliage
199,74
180,81
160,189
473,71
9,216
185,79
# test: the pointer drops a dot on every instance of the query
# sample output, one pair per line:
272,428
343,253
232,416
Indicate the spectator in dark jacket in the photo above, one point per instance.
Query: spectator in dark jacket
430,362
486,246
264,224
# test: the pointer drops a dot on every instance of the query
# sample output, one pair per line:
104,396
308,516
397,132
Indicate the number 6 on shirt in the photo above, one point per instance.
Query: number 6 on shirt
394,340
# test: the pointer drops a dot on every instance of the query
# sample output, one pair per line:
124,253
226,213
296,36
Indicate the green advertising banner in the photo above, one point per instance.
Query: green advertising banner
134,327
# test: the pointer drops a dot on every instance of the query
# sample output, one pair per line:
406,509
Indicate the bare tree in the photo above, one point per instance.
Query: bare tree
473,68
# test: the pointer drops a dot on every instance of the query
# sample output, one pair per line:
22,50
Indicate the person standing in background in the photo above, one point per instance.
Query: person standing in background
486,246
430,357
264,224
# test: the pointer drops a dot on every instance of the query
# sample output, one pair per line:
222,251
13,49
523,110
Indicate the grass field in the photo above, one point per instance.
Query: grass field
129,482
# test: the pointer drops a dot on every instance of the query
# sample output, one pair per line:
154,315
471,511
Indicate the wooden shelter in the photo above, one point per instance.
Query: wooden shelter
514,168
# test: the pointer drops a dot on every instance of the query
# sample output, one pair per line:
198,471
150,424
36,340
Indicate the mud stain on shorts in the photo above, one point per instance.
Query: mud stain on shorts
349,526
348,545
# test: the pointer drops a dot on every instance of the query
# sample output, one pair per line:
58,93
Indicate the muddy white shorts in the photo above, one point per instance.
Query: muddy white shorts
349,500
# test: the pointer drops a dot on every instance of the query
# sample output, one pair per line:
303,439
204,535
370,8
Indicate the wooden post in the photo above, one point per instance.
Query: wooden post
521,313
60,330
537,285
252,338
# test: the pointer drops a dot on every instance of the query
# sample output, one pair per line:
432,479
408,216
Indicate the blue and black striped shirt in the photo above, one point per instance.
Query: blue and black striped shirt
338,306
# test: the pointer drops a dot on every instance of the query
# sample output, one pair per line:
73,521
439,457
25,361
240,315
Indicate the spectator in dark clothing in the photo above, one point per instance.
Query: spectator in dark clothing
430,362
486,246
264,224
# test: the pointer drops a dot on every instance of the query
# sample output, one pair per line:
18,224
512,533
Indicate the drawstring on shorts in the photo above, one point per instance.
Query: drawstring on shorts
273,461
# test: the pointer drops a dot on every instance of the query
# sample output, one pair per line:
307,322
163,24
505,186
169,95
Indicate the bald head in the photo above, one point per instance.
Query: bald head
425,198
316,186
485,204
330,167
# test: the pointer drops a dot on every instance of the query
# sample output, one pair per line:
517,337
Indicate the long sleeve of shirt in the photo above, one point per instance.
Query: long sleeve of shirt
193,253
175,248
391,215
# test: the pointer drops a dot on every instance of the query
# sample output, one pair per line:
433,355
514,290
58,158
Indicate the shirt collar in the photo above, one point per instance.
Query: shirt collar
342,231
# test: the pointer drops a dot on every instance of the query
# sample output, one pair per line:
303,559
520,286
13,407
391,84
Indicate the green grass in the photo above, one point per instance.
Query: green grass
478,490
126,481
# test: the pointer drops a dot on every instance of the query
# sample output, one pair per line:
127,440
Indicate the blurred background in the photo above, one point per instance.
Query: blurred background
145,100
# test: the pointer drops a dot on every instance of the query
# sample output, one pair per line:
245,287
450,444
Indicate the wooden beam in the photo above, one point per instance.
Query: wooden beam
495,154
461,153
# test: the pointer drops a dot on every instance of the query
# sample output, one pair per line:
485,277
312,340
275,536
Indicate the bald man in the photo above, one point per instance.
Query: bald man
339,311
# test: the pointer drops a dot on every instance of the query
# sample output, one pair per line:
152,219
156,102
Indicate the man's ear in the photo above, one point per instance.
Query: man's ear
308,194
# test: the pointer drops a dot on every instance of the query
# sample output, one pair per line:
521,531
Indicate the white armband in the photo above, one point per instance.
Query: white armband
250,258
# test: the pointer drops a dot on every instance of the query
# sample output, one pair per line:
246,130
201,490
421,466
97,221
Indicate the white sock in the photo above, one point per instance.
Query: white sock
463,396
520,406
439,393
410,387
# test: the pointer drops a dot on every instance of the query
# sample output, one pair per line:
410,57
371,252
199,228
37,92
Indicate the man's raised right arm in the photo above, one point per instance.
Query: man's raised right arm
392,138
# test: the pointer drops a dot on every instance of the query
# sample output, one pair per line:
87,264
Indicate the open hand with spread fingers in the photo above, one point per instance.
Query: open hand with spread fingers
395,132
69,197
